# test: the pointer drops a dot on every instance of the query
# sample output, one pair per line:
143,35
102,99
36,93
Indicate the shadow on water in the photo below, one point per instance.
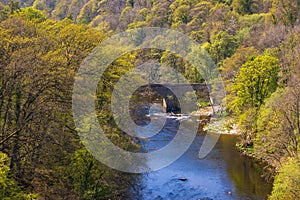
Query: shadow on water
223,174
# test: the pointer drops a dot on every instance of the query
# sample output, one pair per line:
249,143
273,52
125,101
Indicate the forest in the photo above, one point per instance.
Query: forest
254,43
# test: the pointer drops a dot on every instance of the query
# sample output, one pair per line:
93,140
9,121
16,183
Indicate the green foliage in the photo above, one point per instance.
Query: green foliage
125,11
256,81
286,184
248,21
223,46
181,15
87,175
199,13
31,14
88,12
269,129
286,11
8,187
142,14
40,5
39,57
278,126
245,6
13,6
173,61
4,11
231,66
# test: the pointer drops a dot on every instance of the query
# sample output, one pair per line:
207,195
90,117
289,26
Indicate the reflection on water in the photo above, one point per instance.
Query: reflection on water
223,174
242,170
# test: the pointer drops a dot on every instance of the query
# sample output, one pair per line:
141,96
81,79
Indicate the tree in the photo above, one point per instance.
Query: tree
13,6
8,187
37,66
245,6
199,14
286,184
222,46
4,12
231,66
256,81
159,14
87,176
88,12
31,14
181,16
279,126
216,21
174,61
286,11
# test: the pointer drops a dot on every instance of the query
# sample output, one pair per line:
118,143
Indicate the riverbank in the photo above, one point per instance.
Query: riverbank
223,175
223,126
227,126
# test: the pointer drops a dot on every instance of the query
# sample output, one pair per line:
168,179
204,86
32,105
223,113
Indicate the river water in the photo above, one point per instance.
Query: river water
223,174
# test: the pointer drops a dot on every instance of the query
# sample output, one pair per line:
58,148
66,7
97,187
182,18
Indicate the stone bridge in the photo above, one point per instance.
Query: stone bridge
171,93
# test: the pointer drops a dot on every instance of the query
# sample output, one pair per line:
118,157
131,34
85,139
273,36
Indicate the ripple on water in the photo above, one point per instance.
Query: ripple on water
222,175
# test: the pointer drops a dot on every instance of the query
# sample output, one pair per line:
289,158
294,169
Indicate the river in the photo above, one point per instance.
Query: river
223,174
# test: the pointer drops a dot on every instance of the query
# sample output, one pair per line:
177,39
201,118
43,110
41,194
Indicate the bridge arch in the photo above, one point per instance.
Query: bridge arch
169,100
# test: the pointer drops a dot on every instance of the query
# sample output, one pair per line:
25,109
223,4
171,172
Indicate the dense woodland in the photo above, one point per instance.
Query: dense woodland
255,44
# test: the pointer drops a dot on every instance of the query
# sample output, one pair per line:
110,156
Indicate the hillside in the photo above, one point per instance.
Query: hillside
254,43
